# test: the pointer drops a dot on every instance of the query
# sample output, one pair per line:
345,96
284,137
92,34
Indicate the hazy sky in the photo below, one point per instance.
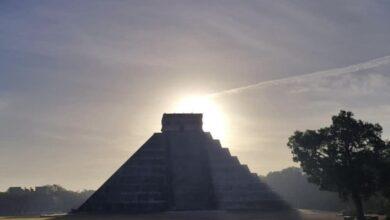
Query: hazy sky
84,83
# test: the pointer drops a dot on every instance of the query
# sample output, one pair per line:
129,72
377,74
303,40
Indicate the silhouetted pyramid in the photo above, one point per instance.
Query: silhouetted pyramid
182,168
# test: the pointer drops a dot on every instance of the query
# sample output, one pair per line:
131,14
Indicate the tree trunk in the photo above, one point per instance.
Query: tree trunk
357,200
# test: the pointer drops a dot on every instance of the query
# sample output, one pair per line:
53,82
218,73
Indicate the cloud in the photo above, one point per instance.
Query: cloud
3,104
75,80
320,74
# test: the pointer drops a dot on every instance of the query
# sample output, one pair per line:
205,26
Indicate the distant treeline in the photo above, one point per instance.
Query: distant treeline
290,183
47,199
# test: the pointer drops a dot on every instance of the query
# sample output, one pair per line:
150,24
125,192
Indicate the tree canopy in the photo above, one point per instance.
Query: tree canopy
348,157
46,199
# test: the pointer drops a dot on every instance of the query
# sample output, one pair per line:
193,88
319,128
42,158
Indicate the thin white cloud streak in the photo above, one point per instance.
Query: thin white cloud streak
325,73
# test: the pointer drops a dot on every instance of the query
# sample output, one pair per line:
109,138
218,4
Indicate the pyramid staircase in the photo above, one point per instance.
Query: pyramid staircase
182,168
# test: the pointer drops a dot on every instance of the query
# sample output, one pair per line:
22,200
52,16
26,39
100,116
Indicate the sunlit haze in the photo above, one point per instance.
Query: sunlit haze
83,84
214,119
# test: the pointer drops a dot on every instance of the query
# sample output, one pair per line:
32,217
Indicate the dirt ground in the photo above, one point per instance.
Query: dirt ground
200,215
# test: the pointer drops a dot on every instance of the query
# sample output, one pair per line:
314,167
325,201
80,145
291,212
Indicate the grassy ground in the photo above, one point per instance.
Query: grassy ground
199,215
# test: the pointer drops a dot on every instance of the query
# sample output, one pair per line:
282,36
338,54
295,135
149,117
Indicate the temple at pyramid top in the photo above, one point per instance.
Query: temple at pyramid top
182,168
182,122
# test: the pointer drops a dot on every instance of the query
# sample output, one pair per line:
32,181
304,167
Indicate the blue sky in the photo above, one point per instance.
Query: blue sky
84,83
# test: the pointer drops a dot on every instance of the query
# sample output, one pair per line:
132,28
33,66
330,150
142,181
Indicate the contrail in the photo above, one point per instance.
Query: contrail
325,73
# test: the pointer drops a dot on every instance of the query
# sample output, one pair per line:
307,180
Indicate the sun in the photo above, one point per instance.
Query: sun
213,118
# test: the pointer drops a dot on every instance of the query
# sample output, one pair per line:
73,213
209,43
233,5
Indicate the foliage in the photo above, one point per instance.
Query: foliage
347,157
292,185
41,200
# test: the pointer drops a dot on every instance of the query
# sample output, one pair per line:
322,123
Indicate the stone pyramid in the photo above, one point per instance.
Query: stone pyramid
182,168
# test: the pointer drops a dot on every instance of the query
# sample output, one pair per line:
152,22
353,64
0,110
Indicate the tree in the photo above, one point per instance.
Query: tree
292,185
43,200
385,175
347,157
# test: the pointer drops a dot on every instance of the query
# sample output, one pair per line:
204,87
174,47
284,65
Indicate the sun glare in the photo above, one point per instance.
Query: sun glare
213,117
